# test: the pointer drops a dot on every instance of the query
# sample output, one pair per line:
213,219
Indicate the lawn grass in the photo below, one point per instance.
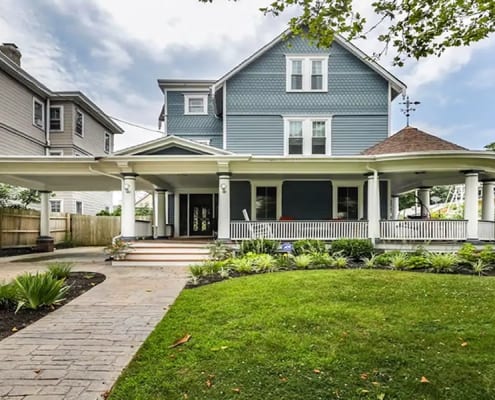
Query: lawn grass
351,334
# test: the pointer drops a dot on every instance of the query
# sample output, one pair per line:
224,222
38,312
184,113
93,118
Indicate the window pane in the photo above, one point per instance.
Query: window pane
296,82
196,105
55,205
79,123
54,112
347,202
317,68
318,128
295,146
266,203
318,145
316,82
38,114
295,129
296,67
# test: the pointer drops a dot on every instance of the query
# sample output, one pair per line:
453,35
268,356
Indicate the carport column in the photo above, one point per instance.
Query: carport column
395,206
223,205
160,212
471,204
488,210
128,217
45,241
373,207
424,199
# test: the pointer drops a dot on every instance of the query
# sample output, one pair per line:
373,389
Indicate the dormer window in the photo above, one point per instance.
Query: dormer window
196,104
307,73
38,113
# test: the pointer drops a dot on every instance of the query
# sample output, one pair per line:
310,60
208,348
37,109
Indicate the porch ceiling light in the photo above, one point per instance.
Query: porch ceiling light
127,188
223,187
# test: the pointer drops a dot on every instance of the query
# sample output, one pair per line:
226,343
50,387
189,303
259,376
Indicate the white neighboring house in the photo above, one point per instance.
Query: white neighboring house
35,120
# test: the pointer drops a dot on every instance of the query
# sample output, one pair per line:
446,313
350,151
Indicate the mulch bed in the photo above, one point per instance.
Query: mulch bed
80,283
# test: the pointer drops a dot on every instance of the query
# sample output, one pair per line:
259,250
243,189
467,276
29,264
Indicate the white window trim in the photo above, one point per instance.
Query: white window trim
336,184
61,204
204,97
306,72
82,125
55,153
307,125
107,135
265,183
38,101
203,141
61,118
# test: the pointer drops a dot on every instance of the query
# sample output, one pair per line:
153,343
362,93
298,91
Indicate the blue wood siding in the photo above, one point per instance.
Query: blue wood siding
255,134
257,100
351,134
178,123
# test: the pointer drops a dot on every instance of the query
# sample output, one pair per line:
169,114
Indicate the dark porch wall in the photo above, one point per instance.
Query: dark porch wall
240,198
383,200
307,200
171,208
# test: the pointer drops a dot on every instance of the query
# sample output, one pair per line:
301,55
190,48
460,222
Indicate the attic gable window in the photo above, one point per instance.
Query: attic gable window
307,73
38,113
195,104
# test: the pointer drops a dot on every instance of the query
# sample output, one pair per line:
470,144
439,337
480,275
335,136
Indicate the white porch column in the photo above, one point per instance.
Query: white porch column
373,207
160,213
224,205
45,214
471,204
395,206
488,208
128,217
45,242
424,198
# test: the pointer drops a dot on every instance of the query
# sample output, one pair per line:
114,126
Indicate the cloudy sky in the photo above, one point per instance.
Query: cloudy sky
114,51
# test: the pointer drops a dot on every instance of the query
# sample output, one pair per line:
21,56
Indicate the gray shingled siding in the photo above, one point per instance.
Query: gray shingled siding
178,123
351,134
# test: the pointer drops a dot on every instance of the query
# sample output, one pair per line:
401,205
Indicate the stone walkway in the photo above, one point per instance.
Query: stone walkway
78,351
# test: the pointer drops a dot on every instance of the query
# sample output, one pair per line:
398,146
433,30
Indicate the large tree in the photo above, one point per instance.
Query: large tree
412,28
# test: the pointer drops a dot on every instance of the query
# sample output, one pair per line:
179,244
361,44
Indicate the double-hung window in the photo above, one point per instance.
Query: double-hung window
56,118
79,123
107,143
307,73
38,113
307,135
195,104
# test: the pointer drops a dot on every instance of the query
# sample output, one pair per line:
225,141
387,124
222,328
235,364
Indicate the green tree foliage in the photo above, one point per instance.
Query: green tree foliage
117,212
11,196
490,146
413,28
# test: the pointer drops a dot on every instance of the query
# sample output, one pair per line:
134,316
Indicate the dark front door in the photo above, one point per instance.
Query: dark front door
200,215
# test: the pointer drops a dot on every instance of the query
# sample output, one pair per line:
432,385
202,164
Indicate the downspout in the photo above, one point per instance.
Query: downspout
47,127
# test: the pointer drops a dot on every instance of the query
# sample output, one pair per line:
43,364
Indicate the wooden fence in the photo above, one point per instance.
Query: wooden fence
20,228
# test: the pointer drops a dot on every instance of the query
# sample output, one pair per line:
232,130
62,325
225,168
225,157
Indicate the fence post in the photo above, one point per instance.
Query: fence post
1,227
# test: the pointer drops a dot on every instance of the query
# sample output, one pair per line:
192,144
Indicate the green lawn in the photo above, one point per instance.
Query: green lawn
327,334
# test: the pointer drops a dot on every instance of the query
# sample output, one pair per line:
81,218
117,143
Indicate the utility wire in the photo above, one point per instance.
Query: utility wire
136,125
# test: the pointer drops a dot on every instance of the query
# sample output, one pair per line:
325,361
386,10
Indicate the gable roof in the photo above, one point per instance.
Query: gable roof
410,140
168,142
26,79
397,85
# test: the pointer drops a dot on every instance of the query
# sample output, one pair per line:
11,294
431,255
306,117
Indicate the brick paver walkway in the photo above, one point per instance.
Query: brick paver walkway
78,351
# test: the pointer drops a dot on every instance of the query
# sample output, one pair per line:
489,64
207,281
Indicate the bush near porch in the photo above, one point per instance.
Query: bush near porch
261,256
325,334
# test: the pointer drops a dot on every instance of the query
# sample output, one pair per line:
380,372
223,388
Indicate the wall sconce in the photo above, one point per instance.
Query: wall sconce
127,188
223,187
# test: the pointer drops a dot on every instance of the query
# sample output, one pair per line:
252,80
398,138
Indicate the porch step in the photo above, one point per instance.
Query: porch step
165,253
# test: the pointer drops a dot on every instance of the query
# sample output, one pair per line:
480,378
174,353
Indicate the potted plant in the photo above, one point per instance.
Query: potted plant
117,250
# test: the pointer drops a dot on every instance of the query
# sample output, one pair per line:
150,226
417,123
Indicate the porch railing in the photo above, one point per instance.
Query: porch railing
486,230
423,230
295,230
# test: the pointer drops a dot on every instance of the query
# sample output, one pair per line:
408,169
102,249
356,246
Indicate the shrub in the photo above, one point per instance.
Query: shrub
322,260
399,261
213,267
219,250
259,246
370,262
352,248
340,262
417,261
242,265
468,253
487,255
7,294
40,289
479,267
197,270
440,262
302,261
309,246
284,261
60,270
385,259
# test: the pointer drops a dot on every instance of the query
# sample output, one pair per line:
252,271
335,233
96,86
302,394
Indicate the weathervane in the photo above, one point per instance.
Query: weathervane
407,111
